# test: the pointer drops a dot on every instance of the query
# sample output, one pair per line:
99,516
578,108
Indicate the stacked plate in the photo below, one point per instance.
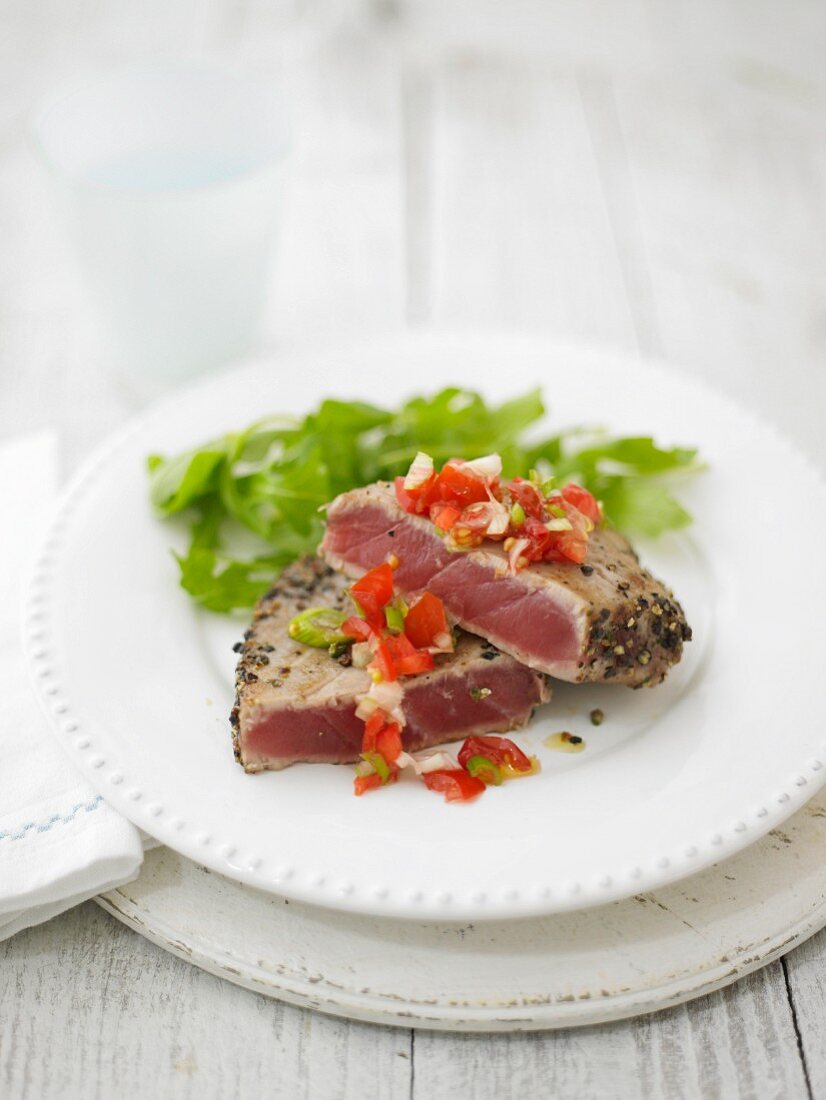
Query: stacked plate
672,782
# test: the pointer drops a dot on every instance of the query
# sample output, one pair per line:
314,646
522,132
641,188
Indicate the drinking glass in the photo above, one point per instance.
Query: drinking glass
170,179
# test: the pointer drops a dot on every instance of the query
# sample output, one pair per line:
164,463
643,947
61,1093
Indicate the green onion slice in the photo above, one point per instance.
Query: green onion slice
482,768
394,619
318,627
378,764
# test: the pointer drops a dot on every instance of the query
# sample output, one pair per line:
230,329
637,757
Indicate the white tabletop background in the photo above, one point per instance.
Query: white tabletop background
648,175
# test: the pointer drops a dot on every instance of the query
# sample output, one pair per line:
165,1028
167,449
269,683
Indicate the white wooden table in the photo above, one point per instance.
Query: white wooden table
651,176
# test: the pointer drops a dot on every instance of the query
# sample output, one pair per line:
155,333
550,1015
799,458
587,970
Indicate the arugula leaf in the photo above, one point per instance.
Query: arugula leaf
639,454
177,482
338,427
254,497
647,507
222,586
515,415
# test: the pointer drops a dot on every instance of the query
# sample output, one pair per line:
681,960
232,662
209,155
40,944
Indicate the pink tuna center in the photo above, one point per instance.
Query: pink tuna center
509,611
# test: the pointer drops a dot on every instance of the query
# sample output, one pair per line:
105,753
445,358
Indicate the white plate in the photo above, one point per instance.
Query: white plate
564,970
139,685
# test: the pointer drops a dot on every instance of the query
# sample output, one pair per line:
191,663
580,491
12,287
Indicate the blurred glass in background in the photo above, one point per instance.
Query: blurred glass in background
169,178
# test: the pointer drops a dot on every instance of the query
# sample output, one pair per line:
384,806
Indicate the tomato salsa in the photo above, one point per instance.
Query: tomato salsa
390,640
468,502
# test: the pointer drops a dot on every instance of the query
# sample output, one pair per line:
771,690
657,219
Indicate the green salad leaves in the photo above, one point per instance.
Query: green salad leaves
253,499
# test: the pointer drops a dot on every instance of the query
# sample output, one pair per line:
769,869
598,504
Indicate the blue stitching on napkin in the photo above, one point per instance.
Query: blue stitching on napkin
55,819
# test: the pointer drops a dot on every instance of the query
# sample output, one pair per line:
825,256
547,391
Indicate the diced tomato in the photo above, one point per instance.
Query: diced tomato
406,499
363,783
426,620
372,728
400,646
373,592
415,500
408,660
414,665
539,539
444,515
357,628
455,784
459,485
528,496
499,750
554,553
381,736
382,660
375,587
583,501
572,546
545,545
389,742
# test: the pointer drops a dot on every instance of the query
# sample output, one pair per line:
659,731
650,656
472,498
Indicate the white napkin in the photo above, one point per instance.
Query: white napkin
59,842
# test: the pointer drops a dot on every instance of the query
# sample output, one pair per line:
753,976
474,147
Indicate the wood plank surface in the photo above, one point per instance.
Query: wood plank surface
805,975
740,1042
88,1001
91,1009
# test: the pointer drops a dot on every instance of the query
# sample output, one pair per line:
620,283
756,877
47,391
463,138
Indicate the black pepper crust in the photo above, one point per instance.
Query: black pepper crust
635,628
306,581
646,633
275,674
602,595
640,634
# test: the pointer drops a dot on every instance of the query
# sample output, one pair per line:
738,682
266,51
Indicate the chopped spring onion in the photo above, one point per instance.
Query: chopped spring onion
394,618
482,768
318,627
378,764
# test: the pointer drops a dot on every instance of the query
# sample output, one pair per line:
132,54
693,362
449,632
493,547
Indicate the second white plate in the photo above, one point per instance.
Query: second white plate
566,970
139,685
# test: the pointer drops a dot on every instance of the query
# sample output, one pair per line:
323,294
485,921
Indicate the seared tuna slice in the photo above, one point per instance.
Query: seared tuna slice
294,703
606,620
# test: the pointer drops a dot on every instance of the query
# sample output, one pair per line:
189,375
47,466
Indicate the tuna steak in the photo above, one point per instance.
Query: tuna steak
606,620
294,703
